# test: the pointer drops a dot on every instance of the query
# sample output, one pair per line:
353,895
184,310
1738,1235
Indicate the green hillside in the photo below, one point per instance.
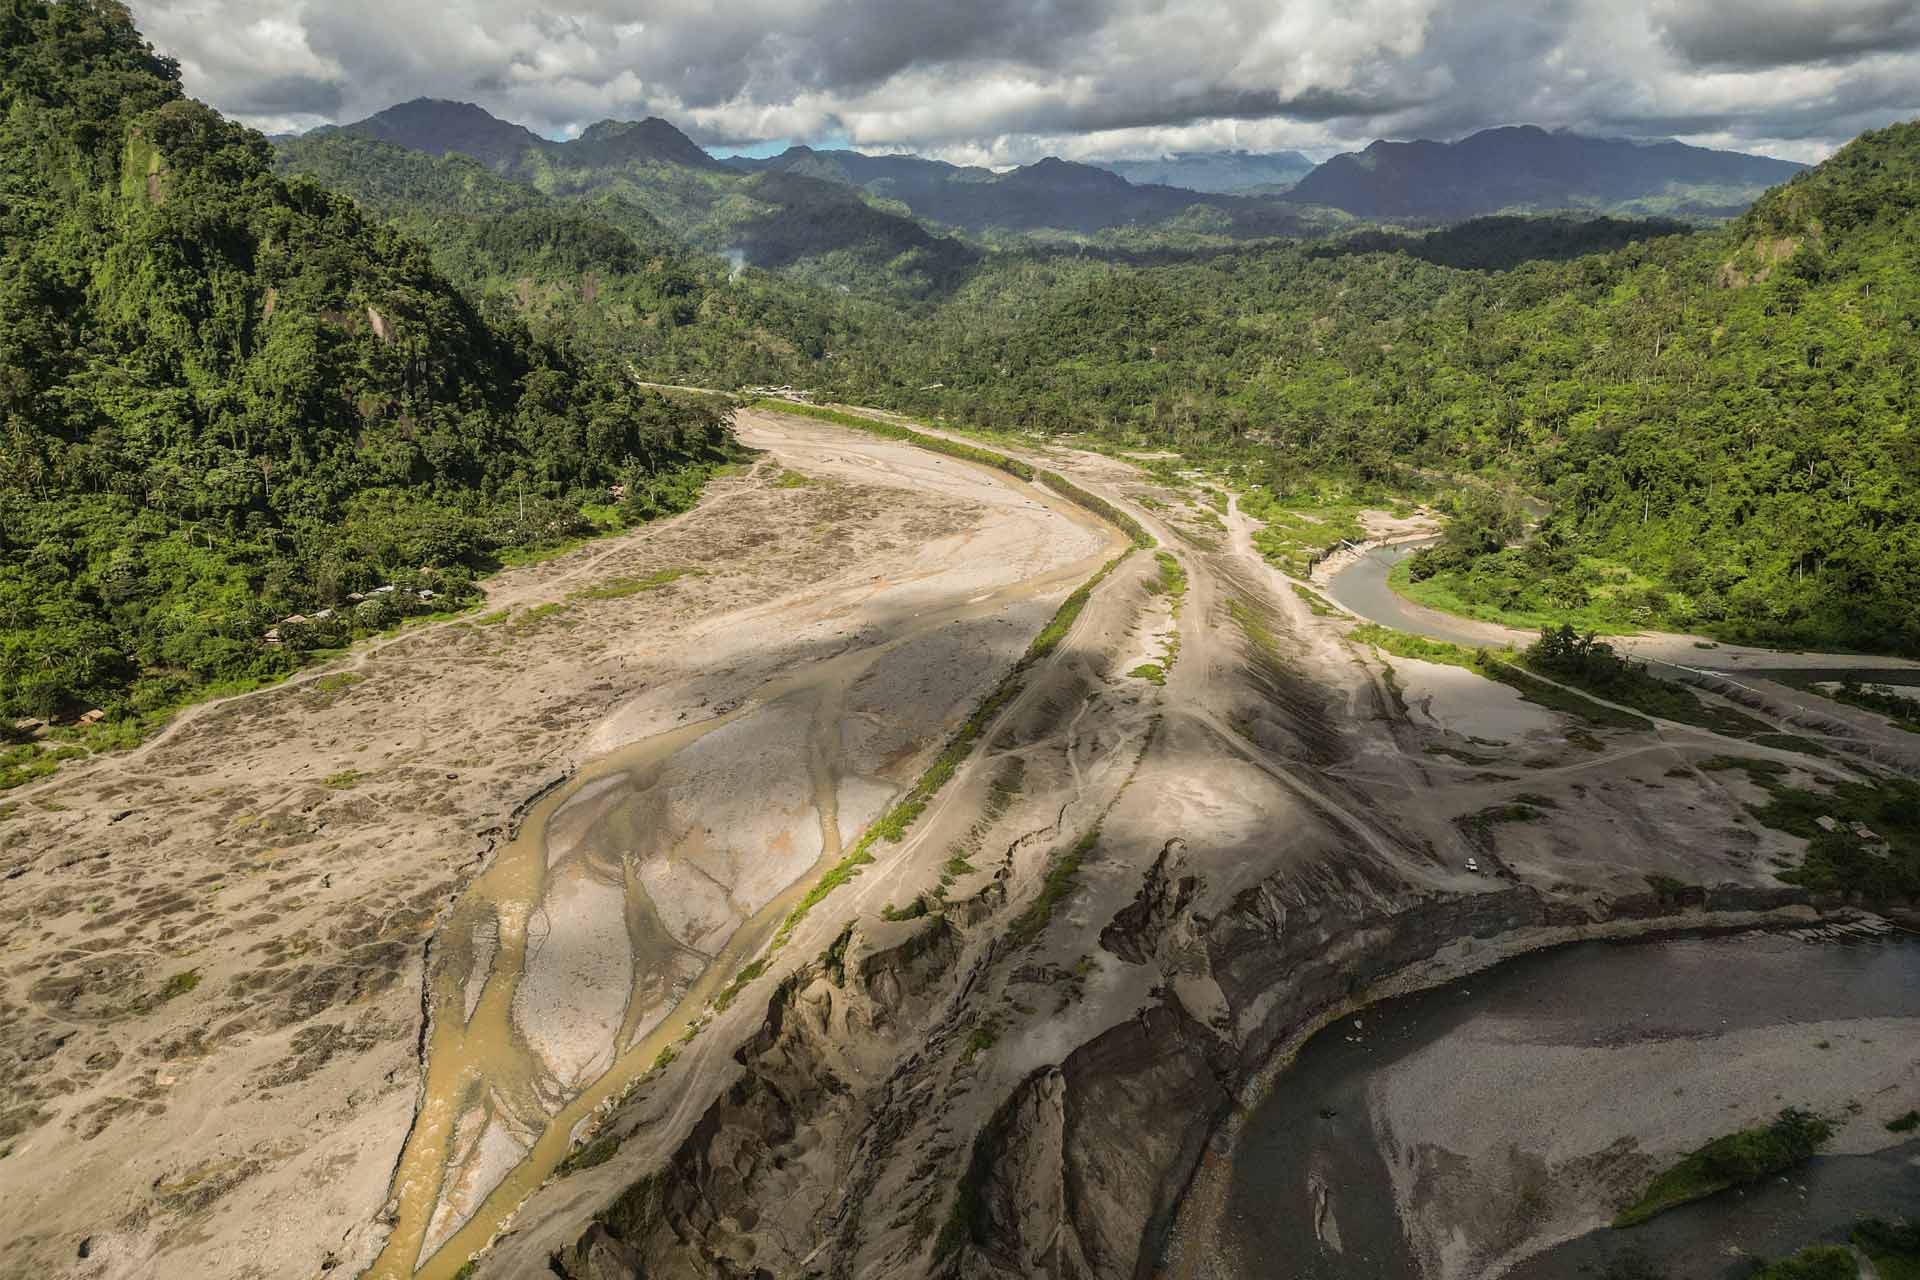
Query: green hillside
816,229
226,398
601,270
1724,420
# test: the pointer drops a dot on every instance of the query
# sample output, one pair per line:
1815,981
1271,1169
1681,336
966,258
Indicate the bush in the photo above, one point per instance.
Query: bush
1735,1160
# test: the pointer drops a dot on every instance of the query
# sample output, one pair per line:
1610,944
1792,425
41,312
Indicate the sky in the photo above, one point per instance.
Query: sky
1004,82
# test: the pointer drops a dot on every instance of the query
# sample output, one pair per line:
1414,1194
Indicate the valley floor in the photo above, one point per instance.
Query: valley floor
1200,825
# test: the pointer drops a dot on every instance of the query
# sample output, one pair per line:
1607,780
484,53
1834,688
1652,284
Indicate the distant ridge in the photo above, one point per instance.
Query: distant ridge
438,126
1524,167
1225,173
1050,194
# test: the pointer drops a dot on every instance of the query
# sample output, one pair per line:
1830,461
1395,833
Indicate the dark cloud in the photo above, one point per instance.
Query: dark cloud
286,95
1757,34
1004,81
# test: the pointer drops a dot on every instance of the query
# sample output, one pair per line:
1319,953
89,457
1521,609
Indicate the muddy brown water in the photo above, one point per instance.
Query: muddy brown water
476,1055
1312,1140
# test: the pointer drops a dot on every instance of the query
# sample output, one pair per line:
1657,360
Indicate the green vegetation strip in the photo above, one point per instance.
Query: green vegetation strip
1062,874
1892,1247
1592,665
1733,1161
1099,506
1498,667
1901,713
1862,837
970,453
894,824
897,431
619,588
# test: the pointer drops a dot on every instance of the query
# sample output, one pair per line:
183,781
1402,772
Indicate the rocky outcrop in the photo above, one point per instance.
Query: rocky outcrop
766,1140
1081,1172
1080,1169
1068,1181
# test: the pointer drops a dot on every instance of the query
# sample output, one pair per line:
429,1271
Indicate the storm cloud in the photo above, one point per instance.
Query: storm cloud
1006,81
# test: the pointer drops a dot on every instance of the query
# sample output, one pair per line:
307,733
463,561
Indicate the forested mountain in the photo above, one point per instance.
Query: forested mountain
439,127
1528,168
1217,172
1727,415
228,398
900,177
814,228
1049,195
600,272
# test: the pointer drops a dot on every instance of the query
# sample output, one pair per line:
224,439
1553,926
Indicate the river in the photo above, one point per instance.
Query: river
1545,1065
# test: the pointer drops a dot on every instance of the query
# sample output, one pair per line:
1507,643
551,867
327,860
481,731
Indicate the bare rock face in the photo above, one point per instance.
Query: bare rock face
597,1255
1078,1171
748,1187
1069,1179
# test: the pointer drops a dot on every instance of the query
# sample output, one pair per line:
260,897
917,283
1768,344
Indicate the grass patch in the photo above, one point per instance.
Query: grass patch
1477,827
1062,874
1791,742
980,1039
597,1152
785,479
30,761
1172,580
1590,664
493,619
621,588
1316,603
539,613
345,779
179,984
1499,667
1733,1161
897,431
1892,1247
1820,1262
1904,1124
1150,671
1296,537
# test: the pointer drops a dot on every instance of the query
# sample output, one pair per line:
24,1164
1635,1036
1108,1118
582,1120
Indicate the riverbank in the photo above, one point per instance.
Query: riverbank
1367,1149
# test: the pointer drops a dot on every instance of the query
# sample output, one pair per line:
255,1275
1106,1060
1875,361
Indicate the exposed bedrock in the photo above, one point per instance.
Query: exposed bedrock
1076,1169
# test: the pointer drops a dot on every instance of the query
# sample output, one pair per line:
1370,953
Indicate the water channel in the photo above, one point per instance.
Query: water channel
1312,1183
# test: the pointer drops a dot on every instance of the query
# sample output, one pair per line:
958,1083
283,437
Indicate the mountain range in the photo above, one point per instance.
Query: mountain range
1052,194
1526,168
1227,173
1236,194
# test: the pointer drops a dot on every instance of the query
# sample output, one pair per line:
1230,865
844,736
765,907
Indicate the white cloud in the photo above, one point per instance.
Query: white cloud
1005,81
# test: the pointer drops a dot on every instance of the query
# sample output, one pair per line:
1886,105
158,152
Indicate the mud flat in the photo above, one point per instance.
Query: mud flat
211,1010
